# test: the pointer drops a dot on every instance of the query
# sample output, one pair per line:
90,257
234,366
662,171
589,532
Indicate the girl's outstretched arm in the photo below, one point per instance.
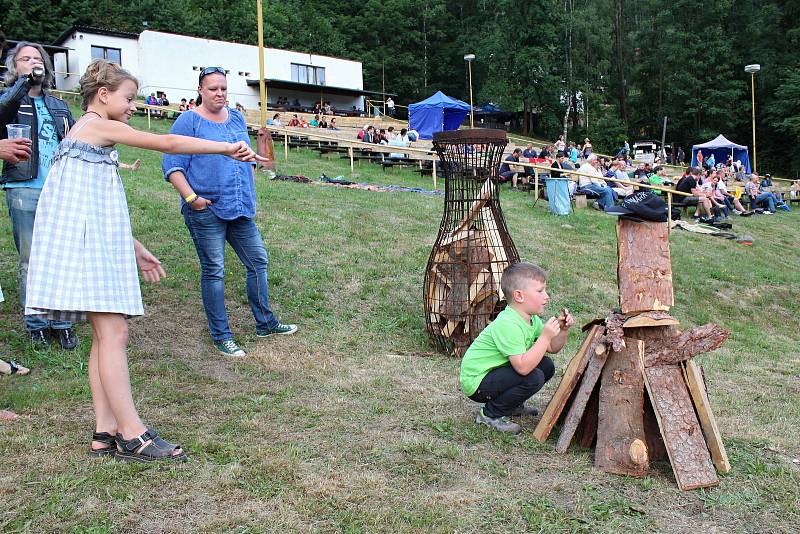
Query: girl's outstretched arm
110,132
151,268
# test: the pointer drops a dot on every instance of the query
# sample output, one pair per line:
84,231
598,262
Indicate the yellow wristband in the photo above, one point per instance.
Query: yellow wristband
190,198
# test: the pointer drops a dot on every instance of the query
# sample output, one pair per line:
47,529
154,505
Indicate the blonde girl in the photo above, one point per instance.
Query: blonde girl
83,232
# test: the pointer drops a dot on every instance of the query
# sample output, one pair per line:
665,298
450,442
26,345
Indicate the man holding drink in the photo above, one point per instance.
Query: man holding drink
32,124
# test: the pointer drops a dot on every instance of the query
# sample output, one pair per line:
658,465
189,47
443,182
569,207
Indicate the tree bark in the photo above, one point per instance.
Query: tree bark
644,268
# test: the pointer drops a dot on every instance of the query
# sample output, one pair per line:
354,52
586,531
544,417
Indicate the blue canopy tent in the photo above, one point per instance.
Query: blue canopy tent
722,148
436,113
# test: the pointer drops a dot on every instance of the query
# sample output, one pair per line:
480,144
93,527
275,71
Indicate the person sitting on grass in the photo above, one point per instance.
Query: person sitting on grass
506,364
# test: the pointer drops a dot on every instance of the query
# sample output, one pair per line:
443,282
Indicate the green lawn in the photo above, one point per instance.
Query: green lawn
355,424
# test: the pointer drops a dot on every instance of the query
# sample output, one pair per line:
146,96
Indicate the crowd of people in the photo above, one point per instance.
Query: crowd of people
716,189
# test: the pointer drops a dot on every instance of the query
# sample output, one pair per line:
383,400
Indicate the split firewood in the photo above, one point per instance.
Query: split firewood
572,375
615,335
483,196
651,318
686,345
680,429
581,399
702,404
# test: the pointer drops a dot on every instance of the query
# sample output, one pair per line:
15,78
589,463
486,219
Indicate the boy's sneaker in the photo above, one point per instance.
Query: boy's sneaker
523,409
501,424
596,205
230,348
279,329
784,207
766,212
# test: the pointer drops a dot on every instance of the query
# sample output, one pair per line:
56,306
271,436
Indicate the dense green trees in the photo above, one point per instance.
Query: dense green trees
610,69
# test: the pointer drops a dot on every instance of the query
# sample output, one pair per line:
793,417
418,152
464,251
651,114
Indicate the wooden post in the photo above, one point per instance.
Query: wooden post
286,146
644,268
535,185
148,118
669,212
621,445
434,173
350,152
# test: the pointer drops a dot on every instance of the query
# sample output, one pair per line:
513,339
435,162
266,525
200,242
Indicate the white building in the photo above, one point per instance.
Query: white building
170,63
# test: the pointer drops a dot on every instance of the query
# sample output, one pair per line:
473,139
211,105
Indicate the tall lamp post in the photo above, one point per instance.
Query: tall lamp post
752,70
469,58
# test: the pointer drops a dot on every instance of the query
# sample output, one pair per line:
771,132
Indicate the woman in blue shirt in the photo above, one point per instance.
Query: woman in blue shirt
219,205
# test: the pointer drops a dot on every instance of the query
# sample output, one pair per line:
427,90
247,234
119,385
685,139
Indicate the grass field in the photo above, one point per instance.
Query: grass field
355,424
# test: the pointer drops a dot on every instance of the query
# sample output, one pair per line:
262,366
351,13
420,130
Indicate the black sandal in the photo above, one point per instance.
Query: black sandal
139,450
106,439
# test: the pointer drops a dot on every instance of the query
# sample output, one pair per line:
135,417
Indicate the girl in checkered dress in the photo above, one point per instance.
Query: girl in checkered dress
82,234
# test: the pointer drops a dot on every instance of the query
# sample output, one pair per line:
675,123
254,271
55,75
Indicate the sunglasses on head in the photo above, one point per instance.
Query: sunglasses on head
210,70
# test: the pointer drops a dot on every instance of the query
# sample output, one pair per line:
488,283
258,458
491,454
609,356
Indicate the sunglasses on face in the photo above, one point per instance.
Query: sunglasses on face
210,70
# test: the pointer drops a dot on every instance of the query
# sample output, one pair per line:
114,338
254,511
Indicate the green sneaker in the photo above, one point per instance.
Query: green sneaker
230,348
279,329
501,424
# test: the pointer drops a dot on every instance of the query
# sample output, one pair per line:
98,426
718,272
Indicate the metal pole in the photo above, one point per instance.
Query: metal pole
148,118
471,121
753,92
286,146
434,172
262,86
383,85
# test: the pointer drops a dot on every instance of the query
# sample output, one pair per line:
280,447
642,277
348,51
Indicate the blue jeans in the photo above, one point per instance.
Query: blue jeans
22,202
209,234
769,200
606,194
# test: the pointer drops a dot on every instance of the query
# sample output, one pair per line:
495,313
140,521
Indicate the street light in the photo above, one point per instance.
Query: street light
469,58
752,70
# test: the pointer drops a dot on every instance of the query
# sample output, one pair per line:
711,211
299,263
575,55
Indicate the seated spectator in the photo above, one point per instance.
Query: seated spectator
164,101
618,170
688,184
191,104
317,108
240,108
332,125
545,153
151,100
506,173
640,174
322,123
659,178
390,133
573,153
314,123
184,106
294,121
413,135
732,201
764,198
328,109
397,141
718,204
595,183
530,152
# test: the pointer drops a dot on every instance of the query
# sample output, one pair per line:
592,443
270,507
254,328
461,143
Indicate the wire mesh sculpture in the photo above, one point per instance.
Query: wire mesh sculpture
473,247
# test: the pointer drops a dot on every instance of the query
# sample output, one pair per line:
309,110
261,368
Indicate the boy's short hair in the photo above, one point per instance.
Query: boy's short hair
515,276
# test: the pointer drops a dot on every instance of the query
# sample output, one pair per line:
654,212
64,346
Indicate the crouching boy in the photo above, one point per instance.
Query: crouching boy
506,364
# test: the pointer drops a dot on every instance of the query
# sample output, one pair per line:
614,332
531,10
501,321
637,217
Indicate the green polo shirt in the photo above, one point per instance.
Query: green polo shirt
508,335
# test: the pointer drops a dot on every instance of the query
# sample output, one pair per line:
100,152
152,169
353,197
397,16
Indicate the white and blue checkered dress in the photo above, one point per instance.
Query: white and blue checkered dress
82,257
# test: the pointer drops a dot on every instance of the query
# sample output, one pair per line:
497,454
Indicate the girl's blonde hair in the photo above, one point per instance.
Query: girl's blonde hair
101,73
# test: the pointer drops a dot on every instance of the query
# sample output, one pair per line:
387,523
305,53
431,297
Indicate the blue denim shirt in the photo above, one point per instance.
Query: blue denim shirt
227,183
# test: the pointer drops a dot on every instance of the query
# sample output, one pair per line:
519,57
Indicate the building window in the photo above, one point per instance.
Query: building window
308,74
113,55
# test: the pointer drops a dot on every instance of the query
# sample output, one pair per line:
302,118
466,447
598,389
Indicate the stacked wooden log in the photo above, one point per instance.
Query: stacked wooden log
601,398
463,291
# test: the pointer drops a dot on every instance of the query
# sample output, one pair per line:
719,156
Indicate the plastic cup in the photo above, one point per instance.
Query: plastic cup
18,131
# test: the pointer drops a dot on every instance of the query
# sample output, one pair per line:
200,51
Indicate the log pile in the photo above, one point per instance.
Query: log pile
632,389
462,291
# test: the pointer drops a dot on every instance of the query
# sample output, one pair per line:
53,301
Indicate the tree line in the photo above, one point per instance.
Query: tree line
607,69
